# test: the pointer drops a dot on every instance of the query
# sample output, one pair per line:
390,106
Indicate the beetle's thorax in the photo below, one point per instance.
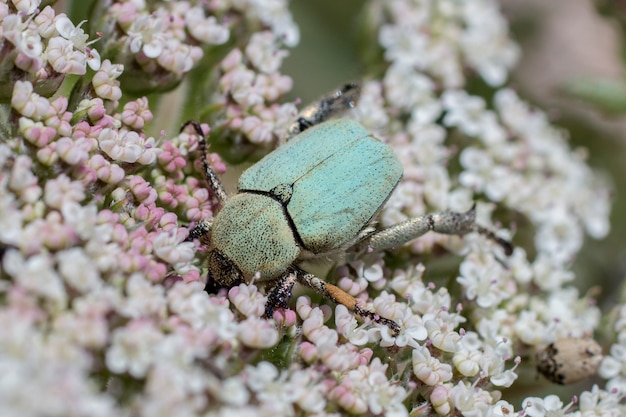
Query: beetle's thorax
252,232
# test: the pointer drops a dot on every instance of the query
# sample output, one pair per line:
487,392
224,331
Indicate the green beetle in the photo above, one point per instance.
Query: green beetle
316,195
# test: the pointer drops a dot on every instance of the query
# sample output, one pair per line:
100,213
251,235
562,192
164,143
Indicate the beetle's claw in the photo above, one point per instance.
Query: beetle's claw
212,287
303,124
200,231
271,305
269,311
505,244
392,325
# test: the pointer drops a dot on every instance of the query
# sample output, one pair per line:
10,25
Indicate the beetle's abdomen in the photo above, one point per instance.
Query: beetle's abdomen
252,232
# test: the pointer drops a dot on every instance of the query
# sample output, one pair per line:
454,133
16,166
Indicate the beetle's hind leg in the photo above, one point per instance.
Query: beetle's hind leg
329,106
282,292
445,222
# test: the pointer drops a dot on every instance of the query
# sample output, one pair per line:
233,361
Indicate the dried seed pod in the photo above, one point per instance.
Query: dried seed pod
569,360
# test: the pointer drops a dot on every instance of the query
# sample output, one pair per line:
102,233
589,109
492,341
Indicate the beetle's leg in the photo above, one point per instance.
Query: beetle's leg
325,108
222,273
214,182
211,286
201,231
446,222
280,294
339,296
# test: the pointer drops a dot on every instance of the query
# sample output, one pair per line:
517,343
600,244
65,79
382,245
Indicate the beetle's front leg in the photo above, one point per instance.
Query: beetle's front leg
280,294
445,222
339,296
202,229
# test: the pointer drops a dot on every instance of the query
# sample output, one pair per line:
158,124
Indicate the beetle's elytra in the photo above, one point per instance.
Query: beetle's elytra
317,194
341,179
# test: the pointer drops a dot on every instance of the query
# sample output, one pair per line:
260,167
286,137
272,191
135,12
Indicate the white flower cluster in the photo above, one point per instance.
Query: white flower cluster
46,39
102,308
251,82
510,156
613,367
445,38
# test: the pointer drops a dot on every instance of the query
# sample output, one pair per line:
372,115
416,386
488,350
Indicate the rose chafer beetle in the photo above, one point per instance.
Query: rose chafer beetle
316,195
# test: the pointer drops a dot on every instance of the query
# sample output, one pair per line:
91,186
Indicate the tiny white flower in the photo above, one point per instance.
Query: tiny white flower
128,146
26,6
428,369
133,348
441,336
551,406
143,299
205,29
248,300
36,274
78,269
471,401
257,333
263,52
147,34
79,38
466,362
169,247
61,189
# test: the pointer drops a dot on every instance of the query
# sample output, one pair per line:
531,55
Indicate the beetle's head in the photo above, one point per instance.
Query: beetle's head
222,271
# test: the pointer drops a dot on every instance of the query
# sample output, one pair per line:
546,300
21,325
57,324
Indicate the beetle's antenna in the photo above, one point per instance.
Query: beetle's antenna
213,181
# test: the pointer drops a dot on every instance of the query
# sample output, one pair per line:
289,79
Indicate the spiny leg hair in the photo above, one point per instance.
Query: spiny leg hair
445,222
